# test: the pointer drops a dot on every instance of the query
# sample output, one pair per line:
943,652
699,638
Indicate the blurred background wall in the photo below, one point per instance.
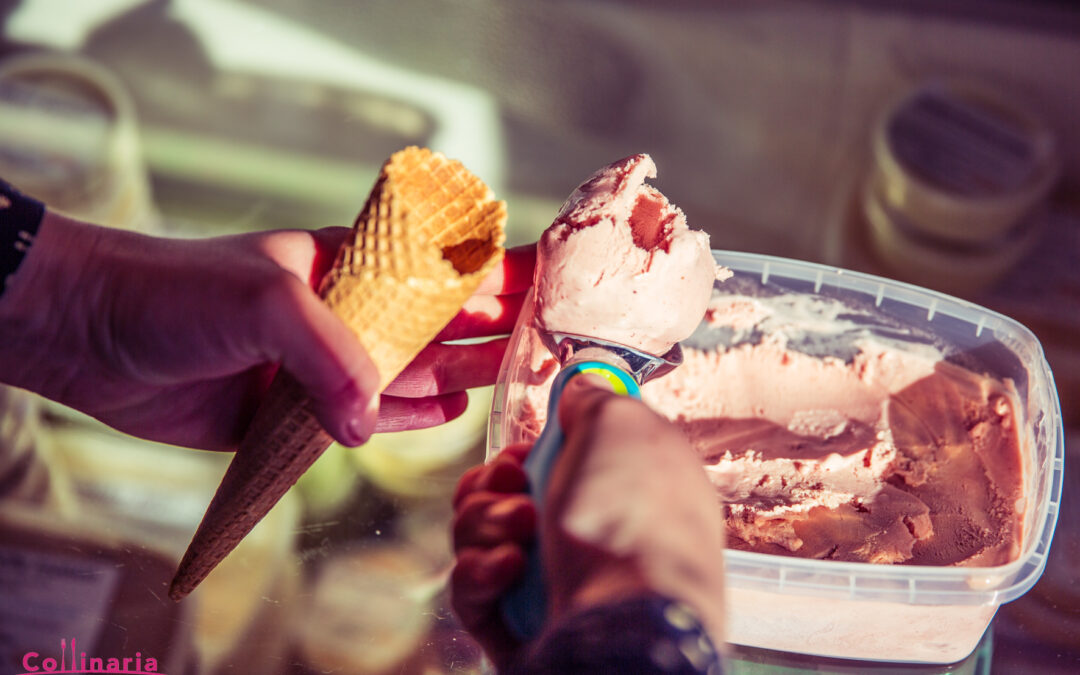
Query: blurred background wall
758,114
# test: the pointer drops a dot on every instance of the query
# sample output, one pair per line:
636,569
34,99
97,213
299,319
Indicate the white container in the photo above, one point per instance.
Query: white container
891,613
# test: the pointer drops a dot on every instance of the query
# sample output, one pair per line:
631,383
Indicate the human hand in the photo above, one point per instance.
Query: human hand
629,512
176,340
494,520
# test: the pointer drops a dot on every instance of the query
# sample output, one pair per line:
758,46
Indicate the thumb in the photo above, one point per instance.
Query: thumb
328,361
605,434
581,397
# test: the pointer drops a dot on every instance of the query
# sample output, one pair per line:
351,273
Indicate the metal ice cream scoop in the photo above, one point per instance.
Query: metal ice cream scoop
524,607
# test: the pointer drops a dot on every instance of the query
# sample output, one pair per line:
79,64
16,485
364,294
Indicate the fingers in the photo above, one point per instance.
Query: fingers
479,579
580,399
484,316
327,242
308,255
514,275
319,350
490,505
311,343
615,446
441,368
324,356
406,414
487,519
481,576
493,519
503,474
590,409
628,508
495,306
607,433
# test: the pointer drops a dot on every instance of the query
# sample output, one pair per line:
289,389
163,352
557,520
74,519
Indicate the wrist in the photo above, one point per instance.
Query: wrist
41,308
645,633
20,218
608,578
612,581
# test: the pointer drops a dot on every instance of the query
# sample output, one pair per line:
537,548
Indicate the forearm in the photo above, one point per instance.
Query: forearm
44,311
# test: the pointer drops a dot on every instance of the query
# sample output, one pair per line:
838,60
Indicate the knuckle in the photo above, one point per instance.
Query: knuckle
461,575
274,290
469,515
434,364
611,409
621,417
466,485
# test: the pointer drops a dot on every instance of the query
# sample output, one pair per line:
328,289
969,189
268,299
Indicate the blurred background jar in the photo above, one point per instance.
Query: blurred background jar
69,137
955,192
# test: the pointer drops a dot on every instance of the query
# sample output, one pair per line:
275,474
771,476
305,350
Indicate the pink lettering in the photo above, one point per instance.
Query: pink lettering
32,662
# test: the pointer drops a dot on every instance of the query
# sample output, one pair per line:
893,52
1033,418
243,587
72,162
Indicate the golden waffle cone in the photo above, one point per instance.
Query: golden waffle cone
429,232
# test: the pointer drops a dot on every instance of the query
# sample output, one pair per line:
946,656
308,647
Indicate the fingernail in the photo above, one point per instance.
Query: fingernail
371,413
360,428
358,432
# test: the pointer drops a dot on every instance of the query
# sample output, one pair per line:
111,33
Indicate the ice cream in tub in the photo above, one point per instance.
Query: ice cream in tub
889,458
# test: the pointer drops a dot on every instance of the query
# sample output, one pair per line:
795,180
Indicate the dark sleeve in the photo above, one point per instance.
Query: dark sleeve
649,634
20,217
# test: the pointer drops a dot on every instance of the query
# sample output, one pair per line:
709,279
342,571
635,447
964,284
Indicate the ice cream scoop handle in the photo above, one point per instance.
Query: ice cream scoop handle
524,606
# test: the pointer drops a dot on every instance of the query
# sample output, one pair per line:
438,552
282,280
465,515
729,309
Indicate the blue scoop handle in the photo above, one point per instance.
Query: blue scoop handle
524,606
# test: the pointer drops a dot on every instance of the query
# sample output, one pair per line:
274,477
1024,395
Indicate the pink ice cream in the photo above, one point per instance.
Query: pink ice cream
887,454
891,455
619,263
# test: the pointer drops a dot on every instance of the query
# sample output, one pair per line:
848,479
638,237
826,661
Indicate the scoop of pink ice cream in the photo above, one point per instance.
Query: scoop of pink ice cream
619,263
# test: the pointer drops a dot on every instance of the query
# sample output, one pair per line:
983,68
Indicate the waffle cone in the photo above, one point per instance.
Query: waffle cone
427,235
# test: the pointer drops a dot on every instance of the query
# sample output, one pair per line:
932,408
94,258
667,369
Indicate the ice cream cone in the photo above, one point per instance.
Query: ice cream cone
429,232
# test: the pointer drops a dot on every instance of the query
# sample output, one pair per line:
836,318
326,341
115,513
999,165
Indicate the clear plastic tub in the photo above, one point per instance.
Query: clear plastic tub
893,613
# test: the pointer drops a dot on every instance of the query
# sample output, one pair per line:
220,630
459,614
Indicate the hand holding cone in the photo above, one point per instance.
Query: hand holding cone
429,232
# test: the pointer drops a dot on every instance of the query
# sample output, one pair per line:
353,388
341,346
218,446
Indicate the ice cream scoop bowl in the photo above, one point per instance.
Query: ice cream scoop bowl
626,369
642,367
